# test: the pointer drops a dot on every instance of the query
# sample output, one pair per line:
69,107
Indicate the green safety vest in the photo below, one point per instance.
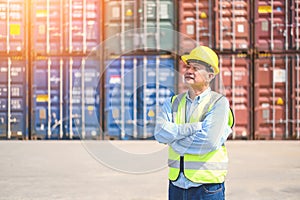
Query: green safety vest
205,168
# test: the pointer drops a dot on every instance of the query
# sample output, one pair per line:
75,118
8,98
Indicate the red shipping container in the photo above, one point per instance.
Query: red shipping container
196,24
271,96
13,26
236,86
232,25
271,25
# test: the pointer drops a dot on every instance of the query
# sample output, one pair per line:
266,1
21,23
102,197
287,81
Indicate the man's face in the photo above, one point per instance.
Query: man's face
196,74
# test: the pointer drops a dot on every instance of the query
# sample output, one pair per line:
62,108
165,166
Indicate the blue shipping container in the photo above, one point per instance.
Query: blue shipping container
65,105
13,108
135,87
82,98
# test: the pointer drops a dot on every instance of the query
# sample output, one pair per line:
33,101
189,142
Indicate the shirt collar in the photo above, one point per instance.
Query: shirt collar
199,97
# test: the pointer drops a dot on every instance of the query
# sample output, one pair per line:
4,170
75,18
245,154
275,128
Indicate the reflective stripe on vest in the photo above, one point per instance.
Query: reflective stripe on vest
205,168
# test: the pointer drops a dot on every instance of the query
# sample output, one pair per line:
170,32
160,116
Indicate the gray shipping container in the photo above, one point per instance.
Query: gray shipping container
139,25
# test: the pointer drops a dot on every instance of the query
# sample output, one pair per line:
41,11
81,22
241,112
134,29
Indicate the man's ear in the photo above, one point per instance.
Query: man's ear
211,76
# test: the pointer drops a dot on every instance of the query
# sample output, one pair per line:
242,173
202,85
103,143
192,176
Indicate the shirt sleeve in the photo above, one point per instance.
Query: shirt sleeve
166,131
211,135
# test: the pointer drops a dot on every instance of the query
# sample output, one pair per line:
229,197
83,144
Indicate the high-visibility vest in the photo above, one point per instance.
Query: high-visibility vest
203,168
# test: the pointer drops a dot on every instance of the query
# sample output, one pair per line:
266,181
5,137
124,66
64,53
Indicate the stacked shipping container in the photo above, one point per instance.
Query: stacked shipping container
65,97
136,84
276,47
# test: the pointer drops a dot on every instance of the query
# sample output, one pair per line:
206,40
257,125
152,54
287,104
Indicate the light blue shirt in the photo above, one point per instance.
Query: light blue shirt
193,138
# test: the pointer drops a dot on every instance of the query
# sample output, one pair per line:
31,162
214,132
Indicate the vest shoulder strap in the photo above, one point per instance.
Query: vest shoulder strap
176,100
214,97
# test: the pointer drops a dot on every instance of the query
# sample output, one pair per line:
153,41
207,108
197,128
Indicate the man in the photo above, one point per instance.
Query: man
196,125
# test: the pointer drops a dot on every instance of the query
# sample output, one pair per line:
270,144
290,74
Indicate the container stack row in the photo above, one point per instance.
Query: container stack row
101,69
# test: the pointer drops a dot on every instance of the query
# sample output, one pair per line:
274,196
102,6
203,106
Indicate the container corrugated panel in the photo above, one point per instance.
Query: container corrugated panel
47,90
232,25
271,96
295,21
83,32
295,96
48,26
196,22
82,98
271,25
144,25
12,23
130,82
13,108
235,73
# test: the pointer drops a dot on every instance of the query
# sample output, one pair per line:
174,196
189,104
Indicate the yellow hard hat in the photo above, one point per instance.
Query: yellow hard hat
204,54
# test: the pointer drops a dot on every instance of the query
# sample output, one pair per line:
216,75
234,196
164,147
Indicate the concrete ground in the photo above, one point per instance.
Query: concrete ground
136,170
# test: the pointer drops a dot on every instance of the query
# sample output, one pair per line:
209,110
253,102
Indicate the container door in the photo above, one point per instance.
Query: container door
47,110
120,97
232,25
196,23
236,81
155,84
12,23
82,32
271,25
82,111
120,17
157,25
271,97
47,31
13,108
